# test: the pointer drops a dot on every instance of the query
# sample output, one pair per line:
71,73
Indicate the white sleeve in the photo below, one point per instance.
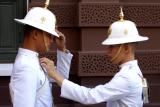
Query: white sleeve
115,89
63,63
24,88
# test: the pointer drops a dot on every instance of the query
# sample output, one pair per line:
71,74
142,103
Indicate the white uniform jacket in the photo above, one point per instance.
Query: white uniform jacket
29,85
124,90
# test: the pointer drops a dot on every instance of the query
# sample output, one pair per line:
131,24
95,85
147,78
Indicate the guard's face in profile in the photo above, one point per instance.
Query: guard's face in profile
115,53
43,41
48,40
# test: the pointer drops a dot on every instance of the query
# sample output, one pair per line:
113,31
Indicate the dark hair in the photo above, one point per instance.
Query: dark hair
28,29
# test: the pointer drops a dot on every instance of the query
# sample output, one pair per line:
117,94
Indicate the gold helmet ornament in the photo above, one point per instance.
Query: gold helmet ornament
123,31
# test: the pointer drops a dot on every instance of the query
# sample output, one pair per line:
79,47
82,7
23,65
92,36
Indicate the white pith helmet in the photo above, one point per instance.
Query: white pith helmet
40,18
123,31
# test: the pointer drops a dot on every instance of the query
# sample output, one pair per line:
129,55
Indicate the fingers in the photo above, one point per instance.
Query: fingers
61,41
43,60
48,69
43,65
61,35
46,61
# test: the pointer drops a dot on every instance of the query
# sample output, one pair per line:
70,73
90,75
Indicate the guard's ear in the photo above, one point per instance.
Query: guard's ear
35,34
127,48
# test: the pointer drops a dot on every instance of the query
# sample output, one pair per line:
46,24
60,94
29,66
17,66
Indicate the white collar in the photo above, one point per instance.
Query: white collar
27,52
133,62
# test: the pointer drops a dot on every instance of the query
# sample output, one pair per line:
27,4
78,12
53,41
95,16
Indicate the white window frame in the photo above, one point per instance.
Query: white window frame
6,69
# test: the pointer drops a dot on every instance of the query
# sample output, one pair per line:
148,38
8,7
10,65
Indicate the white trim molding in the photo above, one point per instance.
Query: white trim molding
6,69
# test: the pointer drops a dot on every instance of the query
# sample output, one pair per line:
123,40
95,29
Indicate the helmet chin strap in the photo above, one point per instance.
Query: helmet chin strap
117,54
45,42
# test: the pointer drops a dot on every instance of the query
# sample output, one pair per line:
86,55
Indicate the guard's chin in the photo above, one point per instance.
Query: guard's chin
115,61
47,49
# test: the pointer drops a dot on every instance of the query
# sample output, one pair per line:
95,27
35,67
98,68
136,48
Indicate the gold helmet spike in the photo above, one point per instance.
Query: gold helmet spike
121,15
46,4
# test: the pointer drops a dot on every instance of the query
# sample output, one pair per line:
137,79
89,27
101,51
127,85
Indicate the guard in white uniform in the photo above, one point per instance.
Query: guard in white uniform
29,84
125,88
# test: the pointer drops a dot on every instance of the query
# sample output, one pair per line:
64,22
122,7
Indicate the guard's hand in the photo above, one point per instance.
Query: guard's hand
48,65
50,68
61,41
